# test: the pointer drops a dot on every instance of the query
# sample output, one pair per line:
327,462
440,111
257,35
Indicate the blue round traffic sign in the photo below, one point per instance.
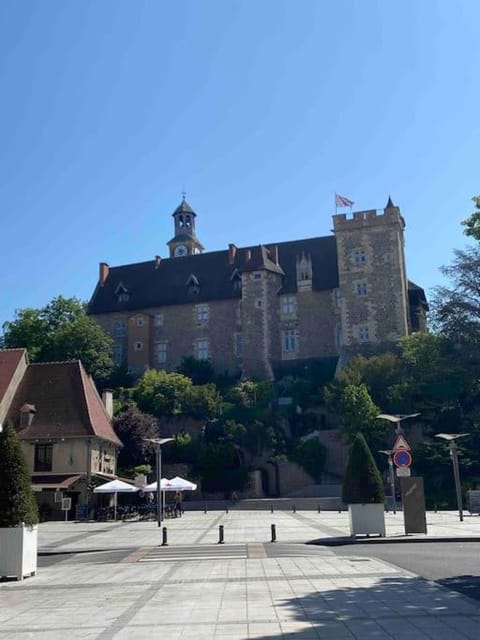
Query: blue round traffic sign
402,458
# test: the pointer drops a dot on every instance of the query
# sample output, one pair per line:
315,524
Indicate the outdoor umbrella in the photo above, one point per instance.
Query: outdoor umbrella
115,486
165,485
180,484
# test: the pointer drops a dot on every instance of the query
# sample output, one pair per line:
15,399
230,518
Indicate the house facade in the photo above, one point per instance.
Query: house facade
257,310
64,427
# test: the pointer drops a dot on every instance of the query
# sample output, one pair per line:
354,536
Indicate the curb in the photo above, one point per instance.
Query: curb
347,540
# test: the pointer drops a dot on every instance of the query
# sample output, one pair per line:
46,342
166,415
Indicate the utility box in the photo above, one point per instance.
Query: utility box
413,499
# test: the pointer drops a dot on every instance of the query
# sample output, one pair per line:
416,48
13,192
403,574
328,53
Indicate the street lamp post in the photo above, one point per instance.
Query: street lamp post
389,452
158,460
451,439
397,419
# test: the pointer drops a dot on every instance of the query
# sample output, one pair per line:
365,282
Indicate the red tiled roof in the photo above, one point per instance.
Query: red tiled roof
66,402
9,361
54,481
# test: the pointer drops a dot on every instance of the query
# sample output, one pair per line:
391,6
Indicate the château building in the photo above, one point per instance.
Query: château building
261,309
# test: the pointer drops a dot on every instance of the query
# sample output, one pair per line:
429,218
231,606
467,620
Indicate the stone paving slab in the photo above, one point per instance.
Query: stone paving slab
263,598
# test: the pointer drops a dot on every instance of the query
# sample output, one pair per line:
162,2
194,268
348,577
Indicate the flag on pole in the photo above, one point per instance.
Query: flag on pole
341,201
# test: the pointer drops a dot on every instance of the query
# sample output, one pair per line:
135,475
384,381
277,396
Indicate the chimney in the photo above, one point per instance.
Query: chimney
157,261
248,255
232,252
274,253
107,399
103,275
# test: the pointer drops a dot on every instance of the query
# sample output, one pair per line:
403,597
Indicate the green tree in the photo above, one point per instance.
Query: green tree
61,331
455,309
132,426
202,401
17,501
358,412
161,393
362,482
472,223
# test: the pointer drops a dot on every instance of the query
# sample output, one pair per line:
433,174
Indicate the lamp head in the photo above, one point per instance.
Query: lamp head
450,436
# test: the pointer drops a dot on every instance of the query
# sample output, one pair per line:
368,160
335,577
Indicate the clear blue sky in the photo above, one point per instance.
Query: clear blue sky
261,110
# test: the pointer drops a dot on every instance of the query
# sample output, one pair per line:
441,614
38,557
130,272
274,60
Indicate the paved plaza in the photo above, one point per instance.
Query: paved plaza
114,581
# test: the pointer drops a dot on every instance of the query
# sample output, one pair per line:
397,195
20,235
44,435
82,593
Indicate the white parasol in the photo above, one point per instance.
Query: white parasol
115,486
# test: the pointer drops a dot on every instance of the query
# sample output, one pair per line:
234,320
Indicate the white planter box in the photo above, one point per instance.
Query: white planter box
366,519
18,552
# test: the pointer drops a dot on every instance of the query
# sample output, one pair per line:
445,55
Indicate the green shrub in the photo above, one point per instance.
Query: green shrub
311,456
362,482
17,500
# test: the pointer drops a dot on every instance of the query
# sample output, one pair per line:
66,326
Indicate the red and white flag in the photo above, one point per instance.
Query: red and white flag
340,201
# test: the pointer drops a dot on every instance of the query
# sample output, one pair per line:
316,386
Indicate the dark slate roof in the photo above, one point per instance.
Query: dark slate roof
389,203
260,258
184,207
416,295
167,284
66,403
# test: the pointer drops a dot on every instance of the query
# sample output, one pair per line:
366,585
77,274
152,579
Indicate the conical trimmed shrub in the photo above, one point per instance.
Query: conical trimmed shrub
362,482
17,500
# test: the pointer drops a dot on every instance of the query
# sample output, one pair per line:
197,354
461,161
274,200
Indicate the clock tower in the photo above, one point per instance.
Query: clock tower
185,241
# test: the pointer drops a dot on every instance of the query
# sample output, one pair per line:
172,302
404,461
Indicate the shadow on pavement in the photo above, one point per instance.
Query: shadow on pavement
409,604
468,585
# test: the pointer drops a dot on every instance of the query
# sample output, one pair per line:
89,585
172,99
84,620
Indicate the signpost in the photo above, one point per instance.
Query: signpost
66,506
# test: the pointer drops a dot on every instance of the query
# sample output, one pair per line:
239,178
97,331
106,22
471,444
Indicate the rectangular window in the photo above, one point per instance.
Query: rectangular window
123,297
339,337
161,352
117,353
337,298
364,334
288,305
361,289
43,457
158,320
259,304
202,349
120,329
202,312
290,340
140,322
139,346
359,256
238,345
257,276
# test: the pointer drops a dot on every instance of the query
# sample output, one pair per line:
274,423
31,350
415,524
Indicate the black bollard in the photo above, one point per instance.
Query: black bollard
226,510
271,508
274,533
294,509
318,508
205,509
164,537
220,534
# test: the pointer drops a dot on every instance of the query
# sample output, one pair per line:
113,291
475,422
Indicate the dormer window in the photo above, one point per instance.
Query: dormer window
193,285
121,292
236,279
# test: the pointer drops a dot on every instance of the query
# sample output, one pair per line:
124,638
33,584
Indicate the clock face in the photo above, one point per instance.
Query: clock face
181,250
